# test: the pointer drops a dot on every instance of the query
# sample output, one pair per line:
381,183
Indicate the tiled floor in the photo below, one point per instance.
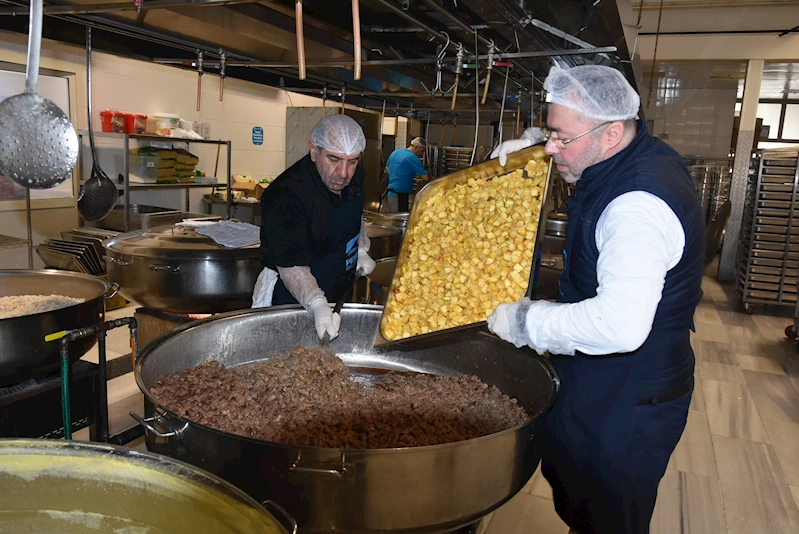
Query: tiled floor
736,469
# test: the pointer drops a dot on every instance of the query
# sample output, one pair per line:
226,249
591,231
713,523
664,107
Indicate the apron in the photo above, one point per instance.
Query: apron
335,255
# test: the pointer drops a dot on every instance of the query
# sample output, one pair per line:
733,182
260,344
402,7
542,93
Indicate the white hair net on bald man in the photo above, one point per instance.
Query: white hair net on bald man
595,91
340,134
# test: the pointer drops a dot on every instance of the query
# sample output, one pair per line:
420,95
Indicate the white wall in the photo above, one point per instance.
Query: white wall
135,86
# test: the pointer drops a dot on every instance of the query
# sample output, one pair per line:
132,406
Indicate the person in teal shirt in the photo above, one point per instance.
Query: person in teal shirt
403,166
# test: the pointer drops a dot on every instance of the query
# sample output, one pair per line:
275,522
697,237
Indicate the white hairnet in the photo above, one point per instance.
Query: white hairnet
340,134
595,91
419,141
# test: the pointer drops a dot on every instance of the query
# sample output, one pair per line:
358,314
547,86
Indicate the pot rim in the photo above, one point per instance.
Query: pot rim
356,452
74,276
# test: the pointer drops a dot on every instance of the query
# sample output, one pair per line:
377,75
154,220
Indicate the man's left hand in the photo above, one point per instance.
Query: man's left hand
365,263
508,322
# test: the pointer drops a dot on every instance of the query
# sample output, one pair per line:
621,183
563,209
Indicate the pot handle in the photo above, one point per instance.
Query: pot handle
115,287
340,472
272,506
161,267
116,261
157,418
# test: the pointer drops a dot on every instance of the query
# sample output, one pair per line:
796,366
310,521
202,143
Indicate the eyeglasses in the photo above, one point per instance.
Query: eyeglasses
561,143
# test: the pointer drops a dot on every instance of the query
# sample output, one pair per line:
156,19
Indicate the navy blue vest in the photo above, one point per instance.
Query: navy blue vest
665,361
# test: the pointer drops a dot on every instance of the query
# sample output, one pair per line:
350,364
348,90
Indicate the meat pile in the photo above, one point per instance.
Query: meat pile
308,397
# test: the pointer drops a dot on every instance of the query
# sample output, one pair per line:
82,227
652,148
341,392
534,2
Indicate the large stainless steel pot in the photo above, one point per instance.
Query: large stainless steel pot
62,486
385,240
430,489
25,354
173,268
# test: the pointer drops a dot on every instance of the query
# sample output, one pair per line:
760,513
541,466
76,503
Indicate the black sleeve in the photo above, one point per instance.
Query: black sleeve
285,232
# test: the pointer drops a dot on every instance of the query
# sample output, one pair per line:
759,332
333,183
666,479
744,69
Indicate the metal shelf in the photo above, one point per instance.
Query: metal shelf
127,186
8,242
769,246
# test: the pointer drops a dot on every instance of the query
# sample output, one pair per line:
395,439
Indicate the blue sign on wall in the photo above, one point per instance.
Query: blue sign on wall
257,135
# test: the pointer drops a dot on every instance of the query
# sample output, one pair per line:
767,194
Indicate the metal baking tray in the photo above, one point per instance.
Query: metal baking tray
487,169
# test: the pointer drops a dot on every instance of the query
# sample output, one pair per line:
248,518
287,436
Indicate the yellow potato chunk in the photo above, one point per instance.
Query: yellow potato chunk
470,251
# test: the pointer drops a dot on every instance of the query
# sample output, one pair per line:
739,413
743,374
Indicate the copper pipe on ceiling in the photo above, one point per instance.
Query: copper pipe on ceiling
356,36
300,39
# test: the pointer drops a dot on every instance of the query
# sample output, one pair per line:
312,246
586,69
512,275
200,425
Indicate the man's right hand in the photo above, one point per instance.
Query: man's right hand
324,319
509,147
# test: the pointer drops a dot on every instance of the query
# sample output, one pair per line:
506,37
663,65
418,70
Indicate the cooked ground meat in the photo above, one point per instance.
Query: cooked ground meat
308,397
19,305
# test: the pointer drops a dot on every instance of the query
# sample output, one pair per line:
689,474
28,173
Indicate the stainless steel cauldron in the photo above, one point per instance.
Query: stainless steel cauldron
73,487
385,240
173,268
431,489
24,353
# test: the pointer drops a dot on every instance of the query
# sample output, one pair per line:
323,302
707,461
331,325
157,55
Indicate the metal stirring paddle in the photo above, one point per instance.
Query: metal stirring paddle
38,145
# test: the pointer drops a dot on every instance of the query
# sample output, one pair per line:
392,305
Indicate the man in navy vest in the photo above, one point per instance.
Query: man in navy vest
619,334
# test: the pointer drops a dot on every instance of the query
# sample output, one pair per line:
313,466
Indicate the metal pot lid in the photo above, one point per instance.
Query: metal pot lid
175,242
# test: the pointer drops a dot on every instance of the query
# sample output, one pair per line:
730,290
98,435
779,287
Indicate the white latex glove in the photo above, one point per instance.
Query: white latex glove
264,288
324,319
365,262
508,322
509,147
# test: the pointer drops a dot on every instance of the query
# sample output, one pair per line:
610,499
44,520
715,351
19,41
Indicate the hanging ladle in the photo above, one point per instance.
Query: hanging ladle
99,195
38,145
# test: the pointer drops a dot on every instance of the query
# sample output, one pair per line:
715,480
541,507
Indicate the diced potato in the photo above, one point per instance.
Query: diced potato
471,250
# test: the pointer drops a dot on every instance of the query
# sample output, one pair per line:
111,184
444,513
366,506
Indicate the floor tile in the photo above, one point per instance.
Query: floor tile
714,352
731,412
695,416
770,322
694,452
795,492
698,396
762,365
538,485
774,396
744,466
785,440
706,313
721,372
119,418
731,316
712,332
763,347
688,504
92,355
527,513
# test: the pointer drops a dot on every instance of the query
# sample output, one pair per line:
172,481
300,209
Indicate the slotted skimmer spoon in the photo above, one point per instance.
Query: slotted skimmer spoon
99,194
38,145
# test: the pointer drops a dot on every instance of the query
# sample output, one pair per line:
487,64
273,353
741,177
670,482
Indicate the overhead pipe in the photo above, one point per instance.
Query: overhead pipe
356,37
300,38
85,9
223,58
458,70
199,78
345,63
491,50
465,27
413,20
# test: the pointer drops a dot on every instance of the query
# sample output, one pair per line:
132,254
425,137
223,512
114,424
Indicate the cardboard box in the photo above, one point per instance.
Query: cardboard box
250,189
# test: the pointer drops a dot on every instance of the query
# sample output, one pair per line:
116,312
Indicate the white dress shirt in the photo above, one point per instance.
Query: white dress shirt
639,239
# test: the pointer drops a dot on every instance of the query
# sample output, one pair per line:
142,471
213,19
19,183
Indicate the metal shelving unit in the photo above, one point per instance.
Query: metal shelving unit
769,249
127,186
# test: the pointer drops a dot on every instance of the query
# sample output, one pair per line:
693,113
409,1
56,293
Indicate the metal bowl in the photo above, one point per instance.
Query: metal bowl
74,487
425,490
25,354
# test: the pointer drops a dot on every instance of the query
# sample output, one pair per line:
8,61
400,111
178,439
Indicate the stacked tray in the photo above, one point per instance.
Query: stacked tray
457,158
422,211
79,250
769,252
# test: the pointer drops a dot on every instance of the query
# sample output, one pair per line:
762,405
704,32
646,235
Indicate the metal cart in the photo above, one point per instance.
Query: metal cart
769,249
